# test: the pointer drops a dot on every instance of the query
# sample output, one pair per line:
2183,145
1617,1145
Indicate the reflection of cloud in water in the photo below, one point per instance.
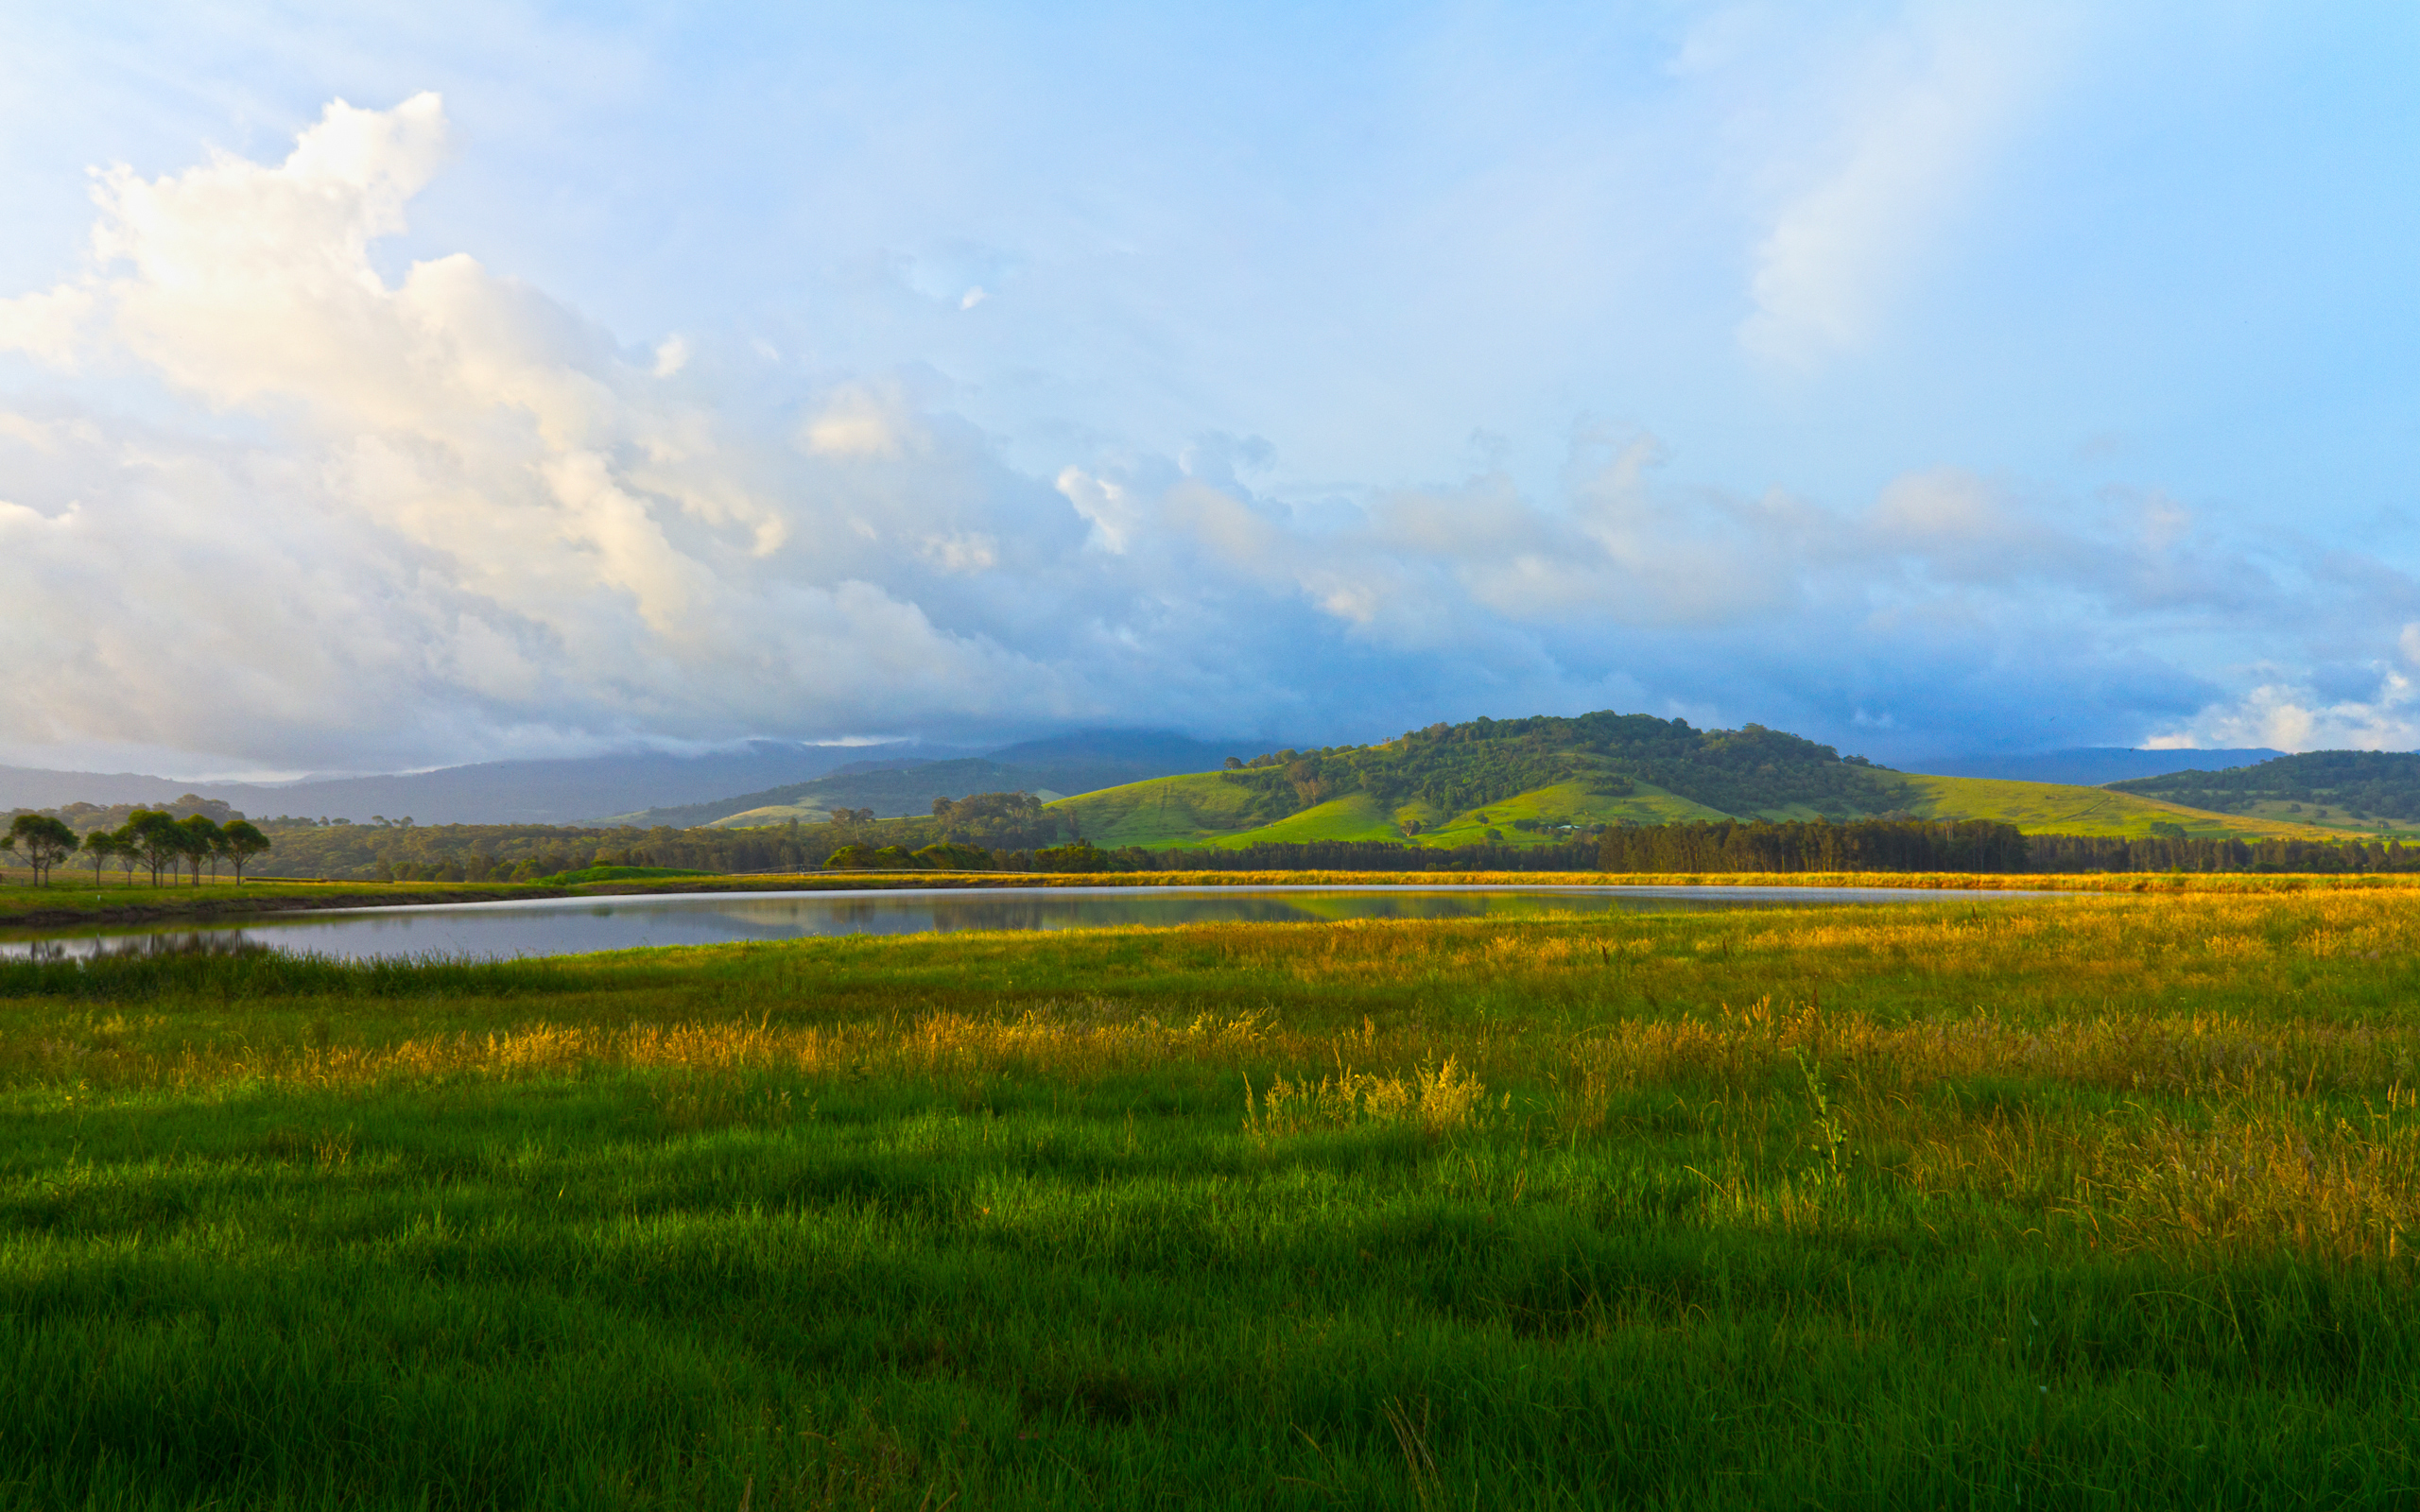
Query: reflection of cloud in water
565,927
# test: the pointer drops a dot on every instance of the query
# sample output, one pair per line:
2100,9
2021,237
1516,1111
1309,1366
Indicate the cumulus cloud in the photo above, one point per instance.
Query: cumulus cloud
2286,713
441,516
472,500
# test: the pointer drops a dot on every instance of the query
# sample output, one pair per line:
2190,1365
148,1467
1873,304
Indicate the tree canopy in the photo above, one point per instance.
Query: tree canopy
42,840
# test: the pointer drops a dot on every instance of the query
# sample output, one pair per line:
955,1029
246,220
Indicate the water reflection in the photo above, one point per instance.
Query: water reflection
576,926
168,942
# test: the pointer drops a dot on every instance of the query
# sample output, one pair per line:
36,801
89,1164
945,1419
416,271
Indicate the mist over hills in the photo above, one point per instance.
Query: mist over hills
635,786
1059,767
566,791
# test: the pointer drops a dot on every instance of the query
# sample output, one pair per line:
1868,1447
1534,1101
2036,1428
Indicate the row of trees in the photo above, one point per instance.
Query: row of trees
149,838
1870,845
2093,852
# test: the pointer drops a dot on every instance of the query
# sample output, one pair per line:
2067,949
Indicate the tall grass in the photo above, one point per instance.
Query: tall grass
2103,1201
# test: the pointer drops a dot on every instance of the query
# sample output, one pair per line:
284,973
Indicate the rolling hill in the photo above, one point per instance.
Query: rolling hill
2333,792
1539,782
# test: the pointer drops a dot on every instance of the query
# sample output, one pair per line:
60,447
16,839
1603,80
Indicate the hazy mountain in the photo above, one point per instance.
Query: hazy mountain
530,792
36,787
1063,764
649,786
890,790
1096,759
2091,766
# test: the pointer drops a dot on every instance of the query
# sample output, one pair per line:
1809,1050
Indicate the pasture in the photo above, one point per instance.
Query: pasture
2098,1201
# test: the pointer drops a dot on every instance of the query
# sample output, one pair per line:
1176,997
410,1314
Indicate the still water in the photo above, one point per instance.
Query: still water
569,926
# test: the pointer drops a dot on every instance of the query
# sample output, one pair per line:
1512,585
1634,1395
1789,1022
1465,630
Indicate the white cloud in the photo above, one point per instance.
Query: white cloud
1875,165
439,516
475,503
2288,716
1116,514
862,421
47,326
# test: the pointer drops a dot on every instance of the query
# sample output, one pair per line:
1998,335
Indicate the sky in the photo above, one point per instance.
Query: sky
390,386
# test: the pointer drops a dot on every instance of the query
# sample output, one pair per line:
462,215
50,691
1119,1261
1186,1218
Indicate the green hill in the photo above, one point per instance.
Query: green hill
2333,792
2055,807
1544,780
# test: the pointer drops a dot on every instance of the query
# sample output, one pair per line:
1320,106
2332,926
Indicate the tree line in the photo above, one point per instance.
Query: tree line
1013,832
150,839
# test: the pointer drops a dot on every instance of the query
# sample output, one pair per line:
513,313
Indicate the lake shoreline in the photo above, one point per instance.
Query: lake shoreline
22,907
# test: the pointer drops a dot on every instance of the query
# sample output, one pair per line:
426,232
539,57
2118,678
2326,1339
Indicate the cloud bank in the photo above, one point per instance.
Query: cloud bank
277,507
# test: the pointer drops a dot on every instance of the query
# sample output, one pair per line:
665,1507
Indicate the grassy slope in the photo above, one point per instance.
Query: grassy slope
2052,808
1353,816
977,1220
1201,810
1565,803
1161,812
2324,819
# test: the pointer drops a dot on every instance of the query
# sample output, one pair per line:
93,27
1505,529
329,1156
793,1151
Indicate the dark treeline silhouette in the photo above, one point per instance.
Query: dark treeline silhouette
1869,844
1866,844
1382,855
2093,852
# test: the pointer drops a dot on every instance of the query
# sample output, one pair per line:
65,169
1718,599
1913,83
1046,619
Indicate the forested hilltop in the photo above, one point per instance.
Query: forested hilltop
1450,768
2325,787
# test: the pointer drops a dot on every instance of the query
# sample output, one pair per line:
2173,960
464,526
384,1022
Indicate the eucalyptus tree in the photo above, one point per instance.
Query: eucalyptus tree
239,842
100,847
42,840
203,838
157,839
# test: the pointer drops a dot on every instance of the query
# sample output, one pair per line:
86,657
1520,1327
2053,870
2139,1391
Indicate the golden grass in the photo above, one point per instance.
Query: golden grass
2142,1072
2122,882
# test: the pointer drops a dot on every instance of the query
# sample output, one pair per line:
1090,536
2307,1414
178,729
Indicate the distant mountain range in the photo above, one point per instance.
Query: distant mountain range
636,787
768,781
1052,768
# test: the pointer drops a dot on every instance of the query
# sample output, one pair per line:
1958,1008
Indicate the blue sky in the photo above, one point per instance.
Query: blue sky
1925,379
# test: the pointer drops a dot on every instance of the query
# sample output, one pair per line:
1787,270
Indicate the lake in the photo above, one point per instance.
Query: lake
570,926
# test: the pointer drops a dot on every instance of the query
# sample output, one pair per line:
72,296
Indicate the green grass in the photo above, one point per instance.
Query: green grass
2098,1202
1201,810
1565,803
571,879
2329,819
2054,808
1161,812
1353,816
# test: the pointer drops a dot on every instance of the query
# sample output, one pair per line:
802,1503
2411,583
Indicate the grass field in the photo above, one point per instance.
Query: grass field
2327,818
1202,809
2055,807
1164,811
2094,1201
1563,803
